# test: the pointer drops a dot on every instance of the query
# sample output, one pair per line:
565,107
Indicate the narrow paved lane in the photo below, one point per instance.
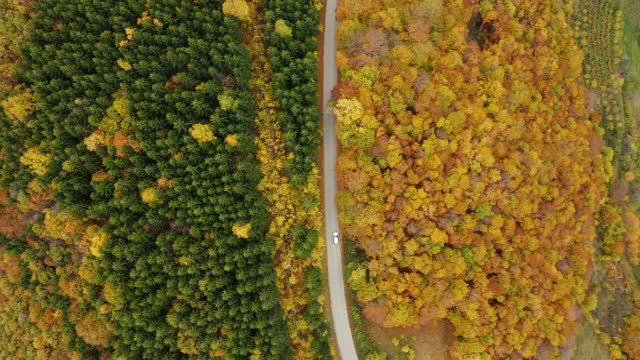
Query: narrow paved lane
341,327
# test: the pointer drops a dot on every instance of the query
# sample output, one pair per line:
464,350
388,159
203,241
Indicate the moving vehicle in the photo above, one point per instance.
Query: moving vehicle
336,237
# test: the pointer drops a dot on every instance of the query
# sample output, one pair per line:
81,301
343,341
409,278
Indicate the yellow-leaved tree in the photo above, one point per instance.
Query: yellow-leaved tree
19,106
149,195
92,330
36,161
282,29
202,133
237,8
241,231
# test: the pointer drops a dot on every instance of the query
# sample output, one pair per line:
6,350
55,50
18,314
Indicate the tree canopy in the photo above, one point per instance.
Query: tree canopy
471,169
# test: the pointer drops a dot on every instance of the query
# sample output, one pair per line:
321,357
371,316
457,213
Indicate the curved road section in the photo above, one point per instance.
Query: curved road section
341,327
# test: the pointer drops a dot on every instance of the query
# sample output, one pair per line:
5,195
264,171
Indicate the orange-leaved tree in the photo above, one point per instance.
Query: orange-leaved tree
470,168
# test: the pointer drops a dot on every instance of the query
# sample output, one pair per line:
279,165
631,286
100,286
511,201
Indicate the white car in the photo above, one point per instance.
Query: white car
336,237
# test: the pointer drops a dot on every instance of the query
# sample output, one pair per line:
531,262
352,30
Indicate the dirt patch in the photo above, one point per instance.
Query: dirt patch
430,342
12,222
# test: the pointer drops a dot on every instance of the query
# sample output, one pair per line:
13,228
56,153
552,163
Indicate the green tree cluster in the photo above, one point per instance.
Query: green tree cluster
293,26
119,86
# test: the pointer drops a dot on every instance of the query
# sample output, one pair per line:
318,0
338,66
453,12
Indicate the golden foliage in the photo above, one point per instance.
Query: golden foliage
231,140
89,272
187,343
71,286
36,161
227,102
282,29
354,127
61,225
92,330
17,333
96,238
149,195
101,176
184,261
256,354
237,8
129,32
112,294
217,349
471,184
241,231
164,183
118,117
95,139
124,65
16,28
113,129
19,106
202,133
348,111
631,334
146,17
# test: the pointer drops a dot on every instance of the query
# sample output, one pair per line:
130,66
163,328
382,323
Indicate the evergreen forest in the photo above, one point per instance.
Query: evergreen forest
134,221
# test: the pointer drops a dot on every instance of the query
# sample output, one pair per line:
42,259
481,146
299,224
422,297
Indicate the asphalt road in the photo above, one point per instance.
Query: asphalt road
341,327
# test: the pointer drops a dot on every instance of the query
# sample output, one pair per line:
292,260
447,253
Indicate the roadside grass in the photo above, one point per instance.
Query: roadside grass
631,32
631,42
589,345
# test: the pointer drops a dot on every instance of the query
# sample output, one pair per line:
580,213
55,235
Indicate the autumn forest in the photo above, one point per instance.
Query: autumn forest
161,179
